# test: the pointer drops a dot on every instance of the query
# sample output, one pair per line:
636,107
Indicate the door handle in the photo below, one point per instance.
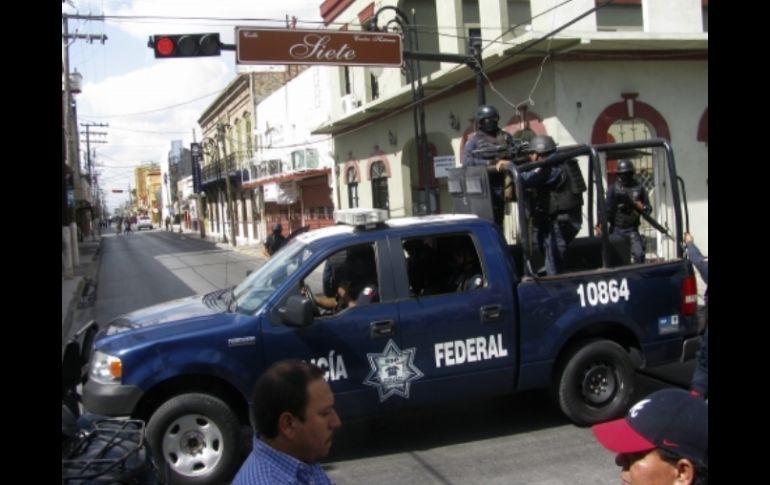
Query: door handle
491,313
382,328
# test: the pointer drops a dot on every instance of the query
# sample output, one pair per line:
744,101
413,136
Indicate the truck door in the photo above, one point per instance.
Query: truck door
457,318
341,338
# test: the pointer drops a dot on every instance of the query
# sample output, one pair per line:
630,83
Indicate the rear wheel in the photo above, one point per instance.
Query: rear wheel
595,382
195,439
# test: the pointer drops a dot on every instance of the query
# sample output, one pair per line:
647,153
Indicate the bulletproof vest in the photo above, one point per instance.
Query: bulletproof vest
483,139
625,215
567,195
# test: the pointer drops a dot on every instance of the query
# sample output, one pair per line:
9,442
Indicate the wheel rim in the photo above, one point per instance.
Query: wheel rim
193,445
599,383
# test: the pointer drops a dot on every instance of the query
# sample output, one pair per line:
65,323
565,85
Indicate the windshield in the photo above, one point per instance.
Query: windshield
252,293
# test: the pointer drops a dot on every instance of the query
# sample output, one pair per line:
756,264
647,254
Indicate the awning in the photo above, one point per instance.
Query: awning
287,177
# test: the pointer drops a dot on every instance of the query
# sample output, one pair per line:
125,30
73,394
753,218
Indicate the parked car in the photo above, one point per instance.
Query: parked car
144,223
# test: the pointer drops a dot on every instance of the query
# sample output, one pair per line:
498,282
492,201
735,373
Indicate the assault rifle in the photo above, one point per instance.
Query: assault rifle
624,198
516,152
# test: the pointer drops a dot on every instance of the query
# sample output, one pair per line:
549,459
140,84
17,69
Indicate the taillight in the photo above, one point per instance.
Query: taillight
689,296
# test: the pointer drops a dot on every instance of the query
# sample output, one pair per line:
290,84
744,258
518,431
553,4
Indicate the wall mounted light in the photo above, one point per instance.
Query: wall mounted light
454,122
392,139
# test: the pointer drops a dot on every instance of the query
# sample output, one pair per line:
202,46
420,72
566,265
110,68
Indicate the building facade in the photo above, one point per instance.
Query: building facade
630,70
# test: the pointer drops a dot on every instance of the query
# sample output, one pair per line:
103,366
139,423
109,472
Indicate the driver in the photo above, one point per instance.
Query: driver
357,282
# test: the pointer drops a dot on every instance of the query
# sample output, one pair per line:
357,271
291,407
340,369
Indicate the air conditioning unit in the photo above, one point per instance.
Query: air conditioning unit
350,103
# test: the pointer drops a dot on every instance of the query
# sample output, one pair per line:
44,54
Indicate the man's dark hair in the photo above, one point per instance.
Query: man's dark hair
281,388
701,471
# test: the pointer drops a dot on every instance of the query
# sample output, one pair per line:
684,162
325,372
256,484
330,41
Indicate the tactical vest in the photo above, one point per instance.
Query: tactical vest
568,194
502,138
625,215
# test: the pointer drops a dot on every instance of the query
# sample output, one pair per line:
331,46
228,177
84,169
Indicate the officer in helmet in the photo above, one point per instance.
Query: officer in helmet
626,200
555,201
487,134
274,241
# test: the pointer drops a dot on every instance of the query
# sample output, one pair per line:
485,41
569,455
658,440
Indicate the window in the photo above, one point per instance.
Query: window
352,181
375,86
249,140
346,78
379,186
443,264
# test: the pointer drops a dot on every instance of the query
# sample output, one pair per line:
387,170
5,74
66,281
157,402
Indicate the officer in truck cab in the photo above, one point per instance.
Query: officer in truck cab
555,203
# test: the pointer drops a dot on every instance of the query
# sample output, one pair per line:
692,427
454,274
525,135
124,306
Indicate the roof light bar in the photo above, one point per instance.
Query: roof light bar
360,217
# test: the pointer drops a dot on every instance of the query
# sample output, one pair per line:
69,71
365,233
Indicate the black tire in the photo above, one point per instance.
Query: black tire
195,439
595,382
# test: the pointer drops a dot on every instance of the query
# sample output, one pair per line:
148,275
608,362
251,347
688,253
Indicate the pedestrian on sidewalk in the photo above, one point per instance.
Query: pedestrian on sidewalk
274,241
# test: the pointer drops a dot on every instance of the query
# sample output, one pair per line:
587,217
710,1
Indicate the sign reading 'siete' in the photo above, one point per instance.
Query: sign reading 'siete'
295,46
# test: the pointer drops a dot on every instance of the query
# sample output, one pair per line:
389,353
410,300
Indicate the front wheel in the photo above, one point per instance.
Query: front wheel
194,439
595,382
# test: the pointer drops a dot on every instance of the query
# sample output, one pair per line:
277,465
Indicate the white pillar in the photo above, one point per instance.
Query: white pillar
493,19
682,16
74,244
451,30
563,14
67,252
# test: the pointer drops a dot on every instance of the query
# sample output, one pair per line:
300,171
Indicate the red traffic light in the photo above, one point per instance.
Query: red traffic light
185,45
164,46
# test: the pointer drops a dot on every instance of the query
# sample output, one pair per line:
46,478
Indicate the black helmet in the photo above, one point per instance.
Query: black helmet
542,144
277,228
625,166
487,111
487,118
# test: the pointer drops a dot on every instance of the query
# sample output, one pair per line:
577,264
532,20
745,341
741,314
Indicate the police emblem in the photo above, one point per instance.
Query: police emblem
393,371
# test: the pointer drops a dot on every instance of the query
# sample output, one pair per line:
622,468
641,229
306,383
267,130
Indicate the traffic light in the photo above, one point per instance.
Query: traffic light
185,45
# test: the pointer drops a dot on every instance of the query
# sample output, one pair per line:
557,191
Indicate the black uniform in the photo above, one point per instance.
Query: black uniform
623,217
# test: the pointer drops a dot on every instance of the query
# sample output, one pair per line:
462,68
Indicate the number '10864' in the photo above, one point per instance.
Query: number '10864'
603,292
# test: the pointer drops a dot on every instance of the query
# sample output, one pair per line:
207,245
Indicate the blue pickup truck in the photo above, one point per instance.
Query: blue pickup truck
451,312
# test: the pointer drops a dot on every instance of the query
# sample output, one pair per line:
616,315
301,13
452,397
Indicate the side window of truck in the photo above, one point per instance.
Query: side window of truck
442,264
345,279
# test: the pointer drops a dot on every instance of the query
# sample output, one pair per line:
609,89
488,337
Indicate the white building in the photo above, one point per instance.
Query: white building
631,70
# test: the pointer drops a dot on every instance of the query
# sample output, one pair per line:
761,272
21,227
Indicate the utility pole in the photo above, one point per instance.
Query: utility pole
89,167
70,158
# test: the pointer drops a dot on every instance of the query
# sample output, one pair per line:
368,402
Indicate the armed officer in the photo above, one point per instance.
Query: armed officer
488,134
626,200
555,201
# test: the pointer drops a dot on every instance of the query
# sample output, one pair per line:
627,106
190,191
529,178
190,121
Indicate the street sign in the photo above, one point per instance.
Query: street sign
117,191
195,153
297,46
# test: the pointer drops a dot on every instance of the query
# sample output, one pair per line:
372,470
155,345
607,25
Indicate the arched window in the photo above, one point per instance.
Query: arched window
379,177
352,181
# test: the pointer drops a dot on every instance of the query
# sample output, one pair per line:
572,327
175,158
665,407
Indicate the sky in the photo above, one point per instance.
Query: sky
149,102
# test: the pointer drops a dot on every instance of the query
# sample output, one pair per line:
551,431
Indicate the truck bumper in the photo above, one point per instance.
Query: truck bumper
110,400
690,347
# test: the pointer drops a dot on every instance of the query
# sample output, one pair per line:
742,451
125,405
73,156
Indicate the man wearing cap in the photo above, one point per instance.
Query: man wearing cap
663,440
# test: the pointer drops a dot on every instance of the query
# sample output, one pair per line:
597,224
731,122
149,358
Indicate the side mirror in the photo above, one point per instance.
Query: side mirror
298,311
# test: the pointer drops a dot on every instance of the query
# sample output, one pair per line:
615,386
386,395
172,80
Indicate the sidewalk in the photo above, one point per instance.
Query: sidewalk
84,275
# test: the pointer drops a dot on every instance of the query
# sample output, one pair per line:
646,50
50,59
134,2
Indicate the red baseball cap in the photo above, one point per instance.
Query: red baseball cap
669,419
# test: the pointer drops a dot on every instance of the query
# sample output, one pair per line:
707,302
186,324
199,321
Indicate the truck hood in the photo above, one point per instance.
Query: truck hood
168,312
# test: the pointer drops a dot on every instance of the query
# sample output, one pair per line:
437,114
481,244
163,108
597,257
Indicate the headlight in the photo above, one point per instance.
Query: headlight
105,368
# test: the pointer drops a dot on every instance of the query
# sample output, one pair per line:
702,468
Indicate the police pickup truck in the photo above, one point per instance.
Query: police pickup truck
427,310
